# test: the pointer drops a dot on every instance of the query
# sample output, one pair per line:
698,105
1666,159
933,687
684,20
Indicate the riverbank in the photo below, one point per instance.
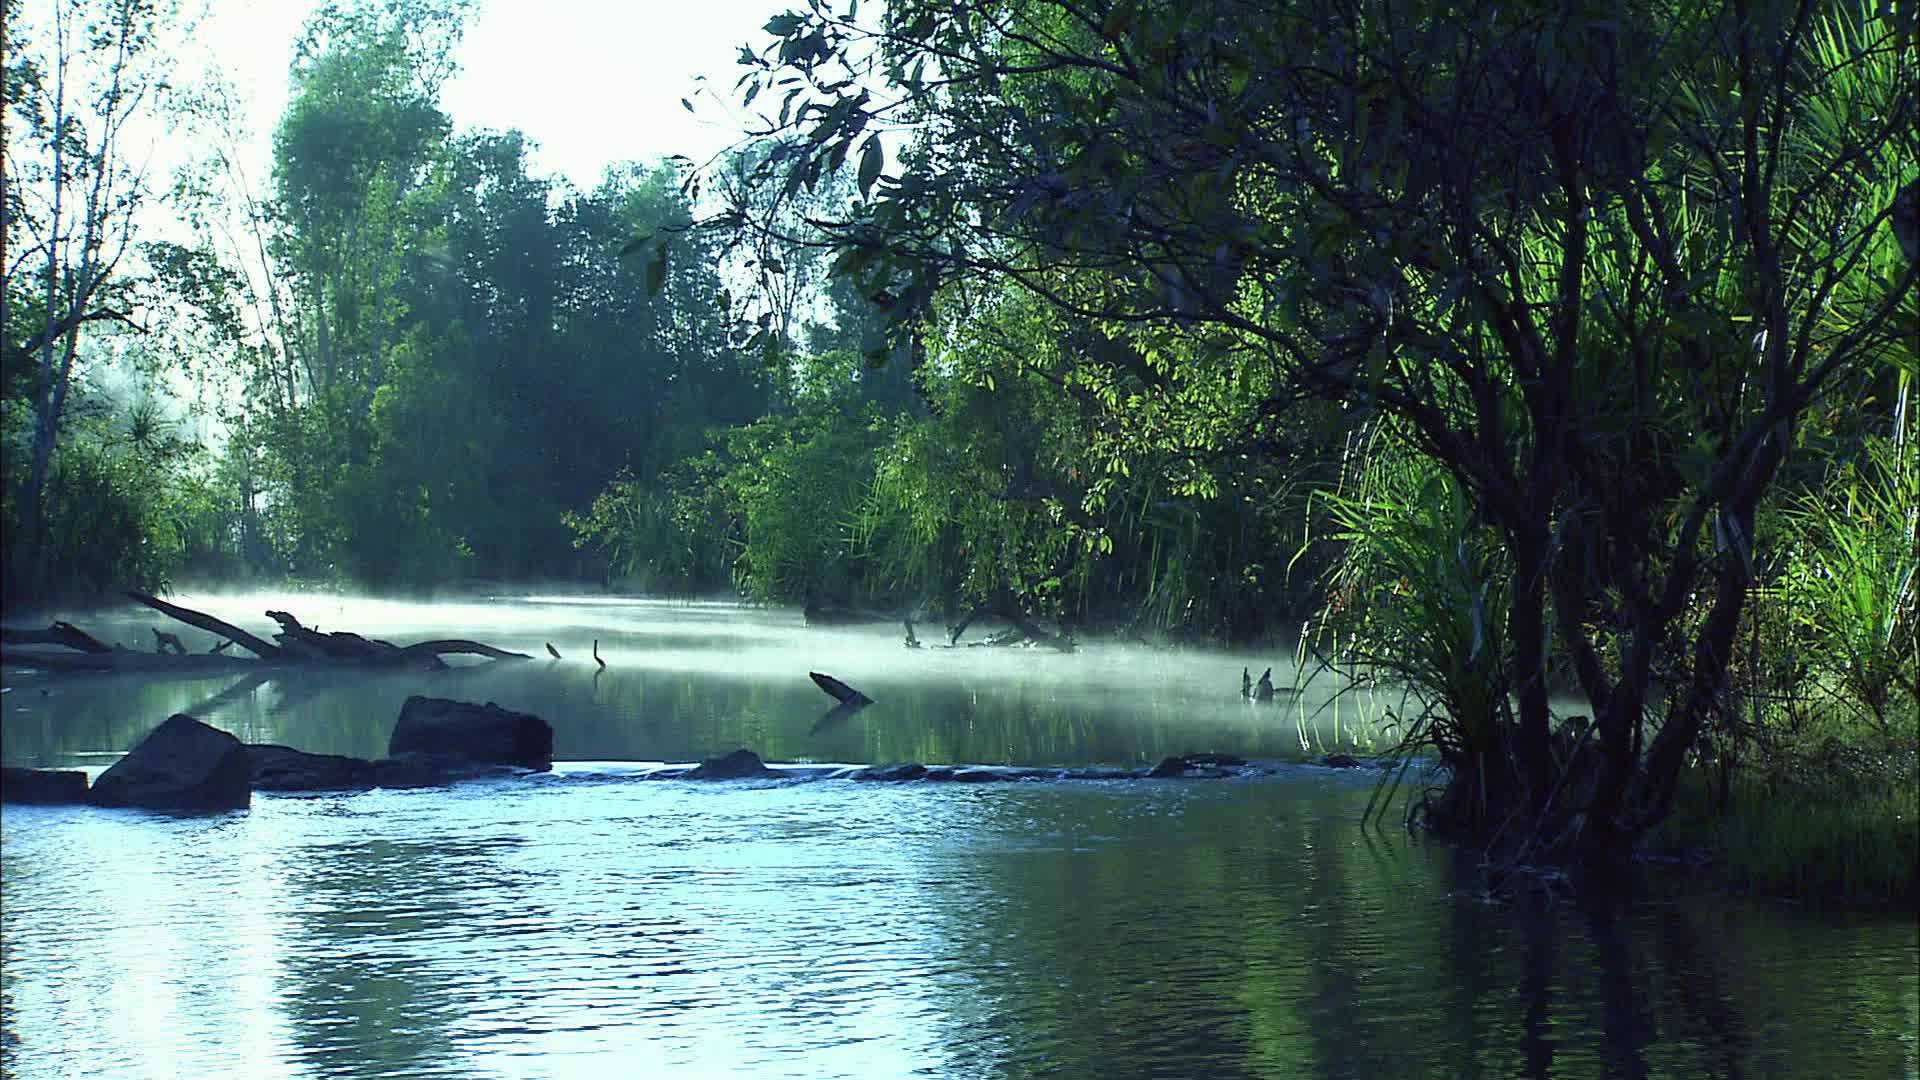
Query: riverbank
1851,840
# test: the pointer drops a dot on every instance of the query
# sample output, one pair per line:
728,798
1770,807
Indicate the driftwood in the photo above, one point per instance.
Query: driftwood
844,694
851,701
208,623
126,660
60,633
299,645
1028,629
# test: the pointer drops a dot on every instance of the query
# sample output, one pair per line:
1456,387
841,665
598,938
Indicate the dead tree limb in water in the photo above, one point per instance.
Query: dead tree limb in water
841,692
211,625
60,633
1062,641
461,646
299,645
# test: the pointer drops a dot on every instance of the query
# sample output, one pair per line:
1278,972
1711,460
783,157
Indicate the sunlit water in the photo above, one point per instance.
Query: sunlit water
588,923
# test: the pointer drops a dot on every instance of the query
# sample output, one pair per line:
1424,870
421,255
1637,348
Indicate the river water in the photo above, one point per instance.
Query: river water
586,923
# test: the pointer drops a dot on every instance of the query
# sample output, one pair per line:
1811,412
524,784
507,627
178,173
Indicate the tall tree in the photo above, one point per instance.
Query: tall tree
75,85
1599,261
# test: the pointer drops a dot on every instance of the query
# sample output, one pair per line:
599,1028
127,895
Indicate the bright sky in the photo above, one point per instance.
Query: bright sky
592,82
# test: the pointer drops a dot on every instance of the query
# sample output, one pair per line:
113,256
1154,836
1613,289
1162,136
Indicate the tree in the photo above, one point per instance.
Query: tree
1597,263
73,210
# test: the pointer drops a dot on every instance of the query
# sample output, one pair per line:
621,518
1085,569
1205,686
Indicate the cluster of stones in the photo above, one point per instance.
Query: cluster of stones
186,765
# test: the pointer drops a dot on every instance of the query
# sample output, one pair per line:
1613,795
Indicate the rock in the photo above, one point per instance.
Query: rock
895,773
431,770
978,776
739,765
1341,761
182,765
1211,766
282,768
47,787
1099,774
484,734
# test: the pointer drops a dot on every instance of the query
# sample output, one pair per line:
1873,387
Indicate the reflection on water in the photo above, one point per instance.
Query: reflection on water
581,923
585,924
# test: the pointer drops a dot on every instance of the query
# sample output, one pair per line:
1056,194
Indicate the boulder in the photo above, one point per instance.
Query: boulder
431,770
43,786
1341,761
485,734
282,768
1211,766
893,773
182,765
739,765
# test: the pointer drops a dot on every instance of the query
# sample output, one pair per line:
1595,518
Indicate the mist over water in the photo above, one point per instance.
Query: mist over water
690,679
584,923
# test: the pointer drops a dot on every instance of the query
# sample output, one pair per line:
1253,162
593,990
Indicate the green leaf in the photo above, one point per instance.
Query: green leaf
782,25
871,158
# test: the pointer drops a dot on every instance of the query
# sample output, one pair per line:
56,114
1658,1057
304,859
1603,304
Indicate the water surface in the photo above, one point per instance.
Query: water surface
587,923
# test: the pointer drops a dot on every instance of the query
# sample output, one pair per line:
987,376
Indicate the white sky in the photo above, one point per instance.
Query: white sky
592,82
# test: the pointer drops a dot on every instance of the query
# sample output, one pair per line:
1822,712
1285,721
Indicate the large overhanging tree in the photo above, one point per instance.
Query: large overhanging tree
1598,260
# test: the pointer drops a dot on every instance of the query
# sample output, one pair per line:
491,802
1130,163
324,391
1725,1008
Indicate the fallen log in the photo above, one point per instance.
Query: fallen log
460,646
841,692
299,645
126,660
208,623
60,633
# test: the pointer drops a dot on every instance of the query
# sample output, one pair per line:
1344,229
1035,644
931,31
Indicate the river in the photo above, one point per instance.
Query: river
585,923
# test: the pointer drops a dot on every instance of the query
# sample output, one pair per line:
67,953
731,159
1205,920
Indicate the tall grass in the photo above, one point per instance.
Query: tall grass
1418,602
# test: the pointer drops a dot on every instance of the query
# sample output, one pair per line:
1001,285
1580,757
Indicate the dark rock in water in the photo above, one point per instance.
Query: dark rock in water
1099,774
978,776
282,768
1341,761
486,734
908,771
47,787
182,765
1211,766
434,770
739,765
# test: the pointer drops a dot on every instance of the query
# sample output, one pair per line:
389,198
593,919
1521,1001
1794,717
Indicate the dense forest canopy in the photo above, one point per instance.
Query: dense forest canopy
1514,348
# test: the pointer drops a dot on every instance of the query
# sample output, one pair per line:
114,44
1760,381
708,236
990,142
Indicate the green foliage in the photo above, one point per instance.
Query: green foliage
1419,598
1598,267
1850,584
